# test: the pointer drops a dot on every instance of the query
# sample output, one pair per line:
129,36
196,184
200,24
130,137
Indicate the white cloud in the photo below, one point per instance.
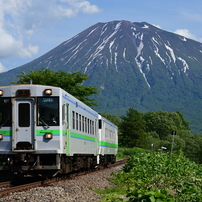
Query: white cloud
11,46
186,33
81,6
21,19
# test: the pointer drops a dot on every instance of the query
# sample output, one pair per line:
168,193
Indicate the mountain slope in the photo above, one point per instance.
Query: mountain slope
133,65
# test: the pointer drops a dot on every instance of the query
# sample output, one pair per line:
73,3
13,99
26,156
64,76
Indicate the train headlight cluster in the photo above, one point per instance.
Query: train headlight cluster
48,136
48,92
1,92
1,137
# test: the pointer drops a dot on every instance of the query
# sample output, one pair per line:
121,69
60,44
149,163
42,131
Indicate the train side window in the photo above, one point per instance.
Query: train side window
77,121
86,125
5,112
80,122
100,124
63,113
83,123
73,119
90,125
93,128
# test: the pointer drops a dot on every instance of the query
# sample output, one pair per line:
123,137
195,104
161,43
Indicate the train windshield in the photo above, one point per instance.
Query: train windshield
48,111
5,112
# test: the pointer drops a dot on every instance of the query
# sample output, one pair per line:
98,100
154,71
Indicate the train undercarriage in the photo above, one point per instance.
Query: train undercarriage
51,164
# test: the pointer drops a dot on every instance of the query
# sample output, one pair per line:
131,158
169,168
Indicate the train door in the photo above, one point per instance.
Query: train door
66,127
97,137
23,125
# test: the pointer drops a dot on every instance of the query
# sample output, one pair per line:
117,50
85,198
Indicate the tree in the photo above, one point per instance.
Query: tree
163,123
132,128
183,123
70,82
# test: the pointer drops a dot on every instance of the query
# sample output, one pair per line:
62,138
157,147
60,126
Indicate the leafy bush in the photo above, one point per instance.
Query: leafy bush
153,177
126,152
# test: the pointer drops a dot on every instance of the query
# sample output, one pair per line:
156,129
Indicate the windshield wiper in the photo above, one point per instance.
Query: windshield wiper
44,122
4,122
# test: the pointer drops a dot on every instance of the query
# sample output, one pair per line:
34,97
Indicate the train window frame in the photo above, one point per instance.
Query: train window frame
77,121
43,116
86,125
93,127
6,118
63,114
100,124
73,119
24,115
80,122
83,124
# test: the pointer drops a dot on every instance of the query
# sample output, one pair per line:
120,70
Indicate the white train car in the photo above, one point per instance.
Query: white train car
45,129
108,137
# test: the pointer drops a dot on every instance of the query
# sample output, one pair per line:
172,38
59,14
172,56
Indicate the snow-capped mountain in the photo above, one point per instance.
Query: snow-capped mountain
133,65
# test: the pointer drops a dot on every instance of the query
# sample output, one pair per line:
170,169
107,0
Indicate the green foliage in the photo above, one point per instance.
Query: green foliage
153,130
126,152
149,196
155,176
163,123
112,194
132,128
70,82
193,146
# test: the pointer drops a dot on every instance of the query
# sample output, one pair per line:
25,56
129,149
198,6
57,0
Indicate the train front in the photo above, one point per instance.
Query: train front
30,133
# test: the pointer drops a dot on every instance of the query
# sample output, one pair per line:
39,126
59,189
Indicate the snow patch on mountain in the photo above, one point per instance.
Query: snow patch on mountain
115,61
156,51
92,32
145,27
124,55
110,49
171,52
185,65
139,59
108,39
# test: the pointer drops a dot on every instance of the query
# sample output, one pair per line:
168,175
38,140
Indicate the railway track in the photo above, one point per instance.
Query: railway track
5,184
8,187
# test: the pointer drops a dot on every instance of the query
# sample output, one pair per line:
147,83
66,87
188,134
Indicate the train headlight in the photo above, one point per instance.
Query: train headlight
48,136
1,92
48,92
1,137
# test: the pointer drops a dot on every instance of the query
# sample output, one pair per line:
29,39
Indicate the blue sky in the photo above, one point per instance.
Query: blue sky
31,28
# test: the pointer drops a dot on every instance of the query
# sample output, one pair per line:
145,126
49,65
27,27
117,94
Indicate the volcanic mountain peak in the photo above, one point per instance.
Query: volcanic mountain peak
133,65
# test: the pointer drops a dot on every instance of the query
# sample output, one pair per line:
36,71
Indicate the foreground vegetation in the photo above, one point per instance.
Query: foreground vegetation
155,177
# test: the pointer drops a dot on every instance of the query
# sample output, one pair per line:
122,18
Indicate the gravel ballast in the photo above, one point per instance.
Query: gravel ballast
76,190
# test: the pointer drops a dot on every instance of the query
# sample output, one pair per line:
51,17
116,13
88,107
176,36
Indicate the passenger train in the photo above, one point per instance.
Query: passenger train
45,130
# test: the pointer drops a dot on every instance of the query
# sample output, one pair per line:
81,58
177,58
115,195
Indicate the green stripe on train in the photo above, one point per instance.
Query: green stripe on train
6,132
83,137
101,143
42,132
107,144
